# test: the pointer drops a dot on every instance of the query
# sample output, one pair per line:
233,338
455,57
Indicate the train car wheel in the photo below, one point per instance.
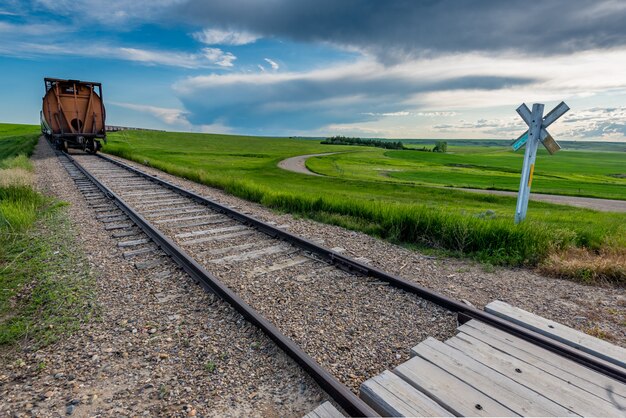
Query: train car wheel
92,146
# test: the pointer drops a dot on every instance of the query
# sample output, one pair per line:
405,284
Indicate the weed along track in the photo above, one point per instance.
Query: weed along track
341,319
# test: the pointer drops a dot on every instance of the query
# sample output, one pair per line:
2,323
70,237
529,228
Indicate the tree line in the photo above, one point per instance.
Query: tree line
440,146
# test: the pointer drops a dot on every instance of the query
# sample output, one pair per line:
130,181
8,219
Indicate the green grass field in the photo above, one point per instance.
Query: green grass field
44,276
575,173
359,197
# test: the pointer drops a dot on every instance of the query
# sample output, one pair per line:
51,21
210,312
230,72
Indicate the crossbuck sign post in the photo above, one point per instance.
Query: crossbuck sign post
535,134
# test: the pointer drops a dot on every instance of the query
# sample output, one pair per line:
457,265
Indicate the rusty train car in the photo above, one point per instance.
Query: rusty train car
73,114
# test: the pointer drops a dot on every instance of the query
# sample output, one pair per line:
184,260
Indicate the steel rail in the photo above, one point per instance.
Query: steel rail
464,311
351,403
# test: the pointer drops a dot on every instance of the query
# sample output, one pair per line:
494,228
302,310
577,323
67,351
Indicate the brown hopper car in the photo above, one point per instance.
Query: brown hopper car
73,114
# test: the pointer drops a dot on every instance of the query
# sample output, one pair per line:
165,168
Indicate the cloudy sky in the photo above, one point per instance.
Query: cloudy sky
397,69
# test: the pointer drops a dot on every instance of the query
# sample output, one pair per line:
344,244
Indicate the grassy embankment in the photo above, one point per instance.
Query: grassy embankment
574,173
476,226
43,279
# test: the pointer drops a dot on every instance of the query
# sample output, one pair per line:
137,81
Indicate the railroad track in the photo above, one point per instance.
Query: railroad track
154,219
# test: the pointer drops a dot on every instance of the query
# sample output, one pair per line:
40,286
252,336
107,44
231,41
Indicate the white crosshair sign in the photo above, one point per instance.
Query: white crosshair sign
535,134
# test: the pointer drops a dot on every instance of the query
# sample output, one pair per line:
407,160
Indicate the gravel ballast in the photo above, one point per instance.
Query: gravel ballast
597,309
352,325
161,347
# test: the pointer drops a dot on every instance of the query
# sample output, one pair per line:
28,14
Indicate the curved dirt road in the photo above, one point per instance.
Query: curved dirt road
298,165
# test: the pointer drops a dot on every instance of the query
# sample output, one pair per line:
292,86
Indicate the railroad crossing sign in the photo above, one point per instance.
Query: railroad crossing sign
535,134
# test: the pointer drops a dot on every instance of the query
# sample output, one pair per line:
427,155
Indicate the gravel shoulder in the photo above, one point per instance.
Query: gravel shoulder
598,309
161,347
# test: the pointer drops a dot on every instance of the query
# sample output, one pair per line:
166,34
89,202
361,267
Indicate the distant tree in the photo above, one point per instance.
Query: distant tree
342,140
441,146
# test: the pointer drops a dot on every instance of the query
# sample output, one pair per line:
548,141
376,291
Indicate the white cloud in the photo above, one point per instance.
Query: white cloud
401,113
33,29
219,57
171,116
272,63
222,37
436,114
366,95
606,123
206,58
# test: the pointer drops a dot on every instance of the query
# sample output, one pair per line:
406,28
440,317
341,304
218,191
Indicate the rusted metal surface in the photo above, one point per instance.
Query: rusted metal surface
73,113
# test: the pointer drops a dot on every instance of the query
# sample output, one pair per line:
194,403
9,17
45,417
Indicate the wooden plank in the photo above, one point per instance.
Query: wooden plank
173,211
447,390
391,396
133,243
123,234
565,394
158,204
117,226
218,238
325,410
200,223
250,255
116,218
559,332
189,218
566,369
211,231
509,393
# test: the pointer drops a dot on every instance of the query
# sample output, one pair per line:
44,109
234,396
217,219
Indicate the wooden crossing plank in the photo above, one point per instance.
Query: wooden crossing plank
449,391
325,410
562,392
211,231
391,396
559,332
218,237
509,393
274,249
596,383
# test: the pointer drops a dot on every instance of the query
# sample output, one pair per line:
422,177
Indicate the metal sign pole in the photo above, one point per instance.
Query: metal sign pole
535,134
534,131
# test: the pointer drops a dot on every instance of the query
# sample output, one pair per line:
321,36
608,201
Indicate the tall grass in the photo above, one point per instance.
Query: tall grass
44,277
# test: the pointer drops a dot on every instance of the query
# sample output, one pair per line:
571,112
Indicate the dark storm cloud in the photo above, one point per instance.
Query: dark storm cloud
396,29
307,101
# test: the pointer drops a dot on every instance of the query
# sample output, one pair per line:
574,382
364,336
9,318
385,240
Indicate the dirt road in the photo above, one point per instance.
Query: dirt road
298,165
